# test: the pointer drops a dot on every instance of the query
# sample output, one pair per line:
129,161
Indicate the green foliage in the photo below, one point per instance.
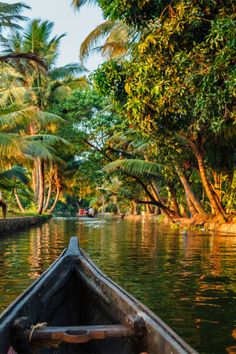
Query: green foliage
110,79
89,124
10,15
178,86
135,167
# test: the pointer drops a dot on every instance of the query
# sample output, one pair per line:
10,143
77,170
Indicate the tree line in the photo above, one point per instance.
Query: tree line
170,74
153,127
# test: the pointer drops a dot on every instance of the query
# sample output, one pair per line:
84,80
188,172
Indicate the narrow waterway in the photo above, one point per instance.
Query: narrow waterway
188,279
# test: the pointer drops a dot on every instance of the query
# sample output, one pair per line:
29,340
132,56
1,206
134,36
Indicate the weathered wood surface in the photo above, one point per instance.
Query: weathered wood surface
19,223
74,294
75,334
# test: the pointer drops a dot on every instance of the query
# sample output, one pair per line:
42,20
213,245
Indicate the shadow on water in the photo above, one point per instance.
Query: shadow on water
188,279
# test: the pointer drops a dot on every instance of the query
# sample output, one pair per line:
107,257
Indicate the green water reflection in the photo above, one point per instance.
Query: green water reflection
188,279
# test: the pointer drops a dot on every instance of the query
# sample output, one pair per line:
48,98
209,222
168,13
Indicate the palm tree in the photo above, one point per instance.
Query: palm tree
10,16
11,178
137,167
79,3
118,38
33,89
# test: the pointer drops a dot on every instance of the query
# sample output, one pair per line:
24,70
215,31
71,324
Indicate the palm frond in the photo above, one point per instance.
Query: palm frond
134,167
45,118
37,40
40,149
94,37
10,14
68,71
113,50
13,93
80,82
10,146
79,3
27,116
16,172
51,139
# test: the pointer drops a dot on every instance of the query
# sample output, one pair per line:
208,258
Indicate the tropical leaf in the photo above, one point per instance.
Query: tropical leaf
10,14
67,71
12,93
118,39
28,116
51,139
94,37
79,3
40,149
15,172
135,167
11,146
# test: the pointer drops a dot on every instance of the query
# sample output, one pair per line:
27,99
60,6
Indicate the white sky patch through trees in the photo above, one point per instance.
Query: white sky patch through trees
77,25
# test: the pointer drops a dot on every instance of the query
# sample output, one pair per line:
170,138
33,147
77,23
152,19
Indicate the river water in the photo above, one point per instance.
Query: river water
188,279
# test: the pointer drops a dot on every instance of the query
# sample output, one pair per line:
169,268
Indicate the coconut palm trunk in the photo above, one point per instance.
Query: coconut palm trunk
189,193
35,178
191,208
22,209
51,174
174,203
217,210
58,190
165,212
48,196
51,210
40,163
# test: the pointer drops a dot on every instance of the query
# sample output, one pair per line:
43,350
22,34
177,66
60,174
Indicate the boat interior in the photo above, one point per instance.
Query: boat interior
72,310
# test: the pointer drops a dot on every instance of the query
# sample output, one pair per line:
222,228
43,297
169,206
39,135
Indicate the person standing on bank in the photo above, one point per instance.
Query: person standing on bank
4,206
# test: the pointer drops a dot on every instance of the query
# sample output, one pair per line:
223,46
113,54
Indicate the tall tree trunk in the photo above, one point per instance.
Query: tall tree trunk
155,190
191,207
184,213
188,191
103,203
48,196
55,200
166,211
41,185
174,203
58,190
35,177
215,208
156,194
22,209
217,187
116,204
147,208
51,174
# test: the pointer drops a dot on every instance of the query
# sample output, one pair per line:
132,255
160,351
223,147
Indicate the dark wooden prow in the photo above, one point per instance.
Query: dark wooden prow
73,248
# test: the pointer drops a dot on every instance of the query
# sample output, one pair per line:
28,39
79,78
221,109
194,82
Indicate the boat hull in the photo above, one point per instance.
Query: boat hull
74,292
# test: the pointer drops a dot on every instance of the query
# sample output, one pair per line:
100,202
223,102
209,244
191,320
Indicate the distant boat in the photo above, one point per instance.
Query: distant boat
75,308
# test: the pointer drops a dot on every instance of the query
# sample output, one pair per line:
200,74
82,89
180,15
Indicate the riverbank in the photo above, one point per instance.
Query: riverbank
21,222
190,224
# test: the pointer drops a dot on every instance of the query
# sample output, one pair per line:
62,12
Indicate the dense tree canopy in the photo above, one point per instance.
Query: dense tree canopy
150,128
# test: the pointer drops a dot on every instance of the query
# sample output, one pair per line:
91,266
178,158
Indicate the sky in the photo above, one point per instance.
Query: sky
77,25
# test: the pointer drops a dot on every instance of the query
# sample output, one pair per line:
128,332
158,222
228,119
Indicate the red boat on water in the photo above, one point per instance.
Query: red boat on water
89,213
82,212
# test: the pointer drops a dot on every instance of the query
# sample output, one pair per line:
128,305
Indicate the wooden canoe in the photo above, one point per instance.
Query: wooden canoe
74,308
